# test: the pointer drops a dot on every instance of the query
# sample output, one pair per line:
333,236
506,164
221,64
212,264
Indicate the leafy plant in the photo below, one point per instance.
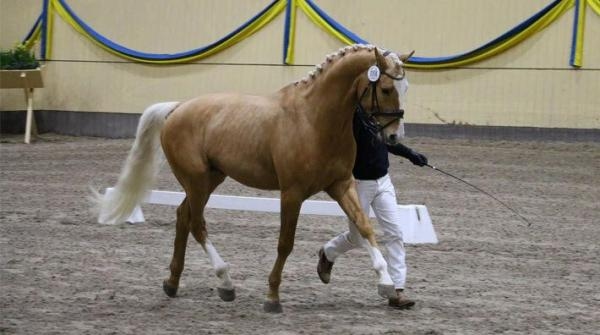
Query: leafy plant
18,58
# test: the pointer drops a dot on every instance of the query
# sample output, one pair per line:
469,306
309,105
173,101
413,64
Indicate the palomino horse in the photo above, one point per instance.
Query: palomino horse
298,140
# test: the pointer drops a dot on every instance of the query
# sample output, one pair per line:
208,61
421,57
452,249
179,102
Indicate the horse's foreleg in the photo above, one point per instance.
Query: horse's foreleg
290,209
171,285
345,194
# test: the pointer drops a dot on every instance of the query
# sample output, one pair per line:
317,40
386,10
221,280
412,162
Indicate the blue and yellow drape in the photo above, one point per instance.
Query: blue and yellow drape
42,30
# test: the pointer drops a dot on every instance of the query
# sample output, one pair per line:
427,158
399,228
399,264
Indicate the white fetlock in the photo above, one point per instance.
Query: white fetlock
381,267
221,268
385,287
223,274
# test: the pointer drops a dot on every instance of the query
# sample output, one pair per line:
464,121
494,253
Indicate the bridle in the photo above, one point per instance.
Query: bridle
369,120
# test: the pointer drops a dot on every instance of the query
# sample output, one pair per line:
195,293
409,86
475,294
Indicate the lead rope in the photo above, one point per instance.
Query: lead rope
482,191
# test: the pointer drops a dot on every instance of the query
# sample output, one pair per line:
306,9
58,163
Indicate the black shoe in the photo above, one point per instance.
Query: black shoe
324,267
401,302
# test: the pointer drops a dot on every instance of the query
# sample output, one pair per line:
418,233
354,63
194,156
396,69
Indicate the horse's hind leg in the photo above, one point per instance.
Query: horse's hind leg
198,229
226,290
171,285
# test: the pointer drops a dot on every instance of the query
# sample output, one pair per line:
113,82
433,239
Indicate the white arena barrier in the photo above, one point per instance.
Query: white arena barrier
415,220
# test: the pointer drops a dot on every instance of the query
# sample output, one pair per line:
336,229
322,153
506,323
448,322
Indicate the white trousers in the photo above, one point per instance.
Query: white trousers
381,196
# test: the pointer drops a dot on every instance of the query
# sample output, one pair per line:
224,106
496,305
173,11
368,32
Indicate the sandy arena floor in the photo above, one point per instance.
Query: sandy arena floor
62,273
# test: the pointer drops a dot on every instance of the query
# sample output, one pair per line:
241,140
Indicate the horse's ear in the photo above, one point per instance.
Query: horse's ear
405,57
381,63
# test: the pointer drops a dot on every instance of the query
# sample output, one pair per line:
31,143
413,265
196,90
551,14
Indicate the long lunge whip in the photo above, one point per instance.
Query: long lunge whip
482,191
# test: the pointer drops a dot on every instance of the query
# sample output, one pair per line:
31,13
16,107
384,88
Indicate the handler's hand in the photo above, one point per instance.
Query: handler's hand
417,158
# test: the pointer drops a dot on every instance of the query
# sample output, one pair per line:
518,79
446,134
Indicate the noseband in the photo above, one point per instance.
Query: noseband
369,120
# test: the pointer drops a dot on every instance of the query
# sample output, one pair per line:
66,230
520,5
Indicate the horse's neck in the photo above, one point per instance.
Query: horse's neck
332,92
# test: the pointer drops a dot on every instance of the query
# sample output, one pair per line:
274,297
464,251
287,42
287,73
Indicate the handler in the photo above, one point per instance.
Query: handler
375,189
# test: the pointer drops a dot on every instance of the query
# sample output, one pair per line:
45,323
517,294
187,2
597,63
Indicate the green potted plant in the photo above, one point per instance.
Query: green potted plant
20,69
19,58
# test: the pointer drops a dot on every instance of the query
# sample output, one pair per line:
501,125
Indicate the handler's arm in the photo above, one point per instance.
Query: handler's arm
408,153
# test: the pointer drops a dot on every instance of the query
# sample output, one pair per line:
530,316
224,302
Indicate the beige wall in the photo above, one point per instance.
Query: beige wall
530,85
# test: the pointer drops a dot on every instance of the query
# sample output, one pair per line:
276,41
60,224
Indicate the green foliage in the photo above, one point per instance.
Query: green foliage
18,58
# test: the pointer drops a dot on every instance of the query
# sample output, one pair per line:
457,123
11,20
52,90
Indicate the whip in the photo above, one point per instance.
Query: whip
482,191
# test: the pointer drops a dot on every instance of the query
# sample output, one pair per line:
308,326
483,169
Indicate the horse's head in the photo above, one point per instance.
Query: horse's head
381,92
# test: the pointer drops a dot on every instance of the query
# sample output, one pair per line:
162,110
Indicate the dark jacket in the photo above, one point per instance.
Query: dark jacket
372,154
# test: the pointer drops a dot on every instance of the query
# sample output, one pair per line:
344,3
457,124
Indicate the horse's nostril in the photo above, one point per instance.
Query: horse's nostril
393,138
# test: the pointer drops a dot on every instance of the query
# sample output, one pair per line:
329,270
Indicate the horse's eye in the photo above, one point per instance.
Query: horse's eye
386,91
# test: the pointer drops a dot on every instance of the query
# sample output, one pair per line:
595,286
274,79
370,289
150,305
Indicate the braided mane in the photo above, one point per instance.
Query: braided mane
332,58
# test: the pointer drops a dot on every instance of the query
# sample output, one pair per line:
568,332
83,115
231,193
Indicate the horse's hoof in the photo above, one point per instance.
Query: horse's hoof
169,290
226,294
272,307
386,291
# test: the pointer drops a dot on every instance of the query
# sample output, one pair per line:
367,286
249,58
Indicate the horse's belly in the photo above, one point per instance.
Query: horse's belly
260,183
248,169
254,178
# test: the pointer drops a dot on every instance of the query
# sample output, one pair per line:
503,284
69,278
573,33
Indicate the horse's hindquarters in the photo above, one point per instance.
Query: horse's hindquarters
228,133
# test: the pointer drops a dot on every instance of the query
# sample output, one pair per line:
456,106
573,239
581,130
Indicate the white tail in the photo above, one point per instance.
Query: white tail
140,169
